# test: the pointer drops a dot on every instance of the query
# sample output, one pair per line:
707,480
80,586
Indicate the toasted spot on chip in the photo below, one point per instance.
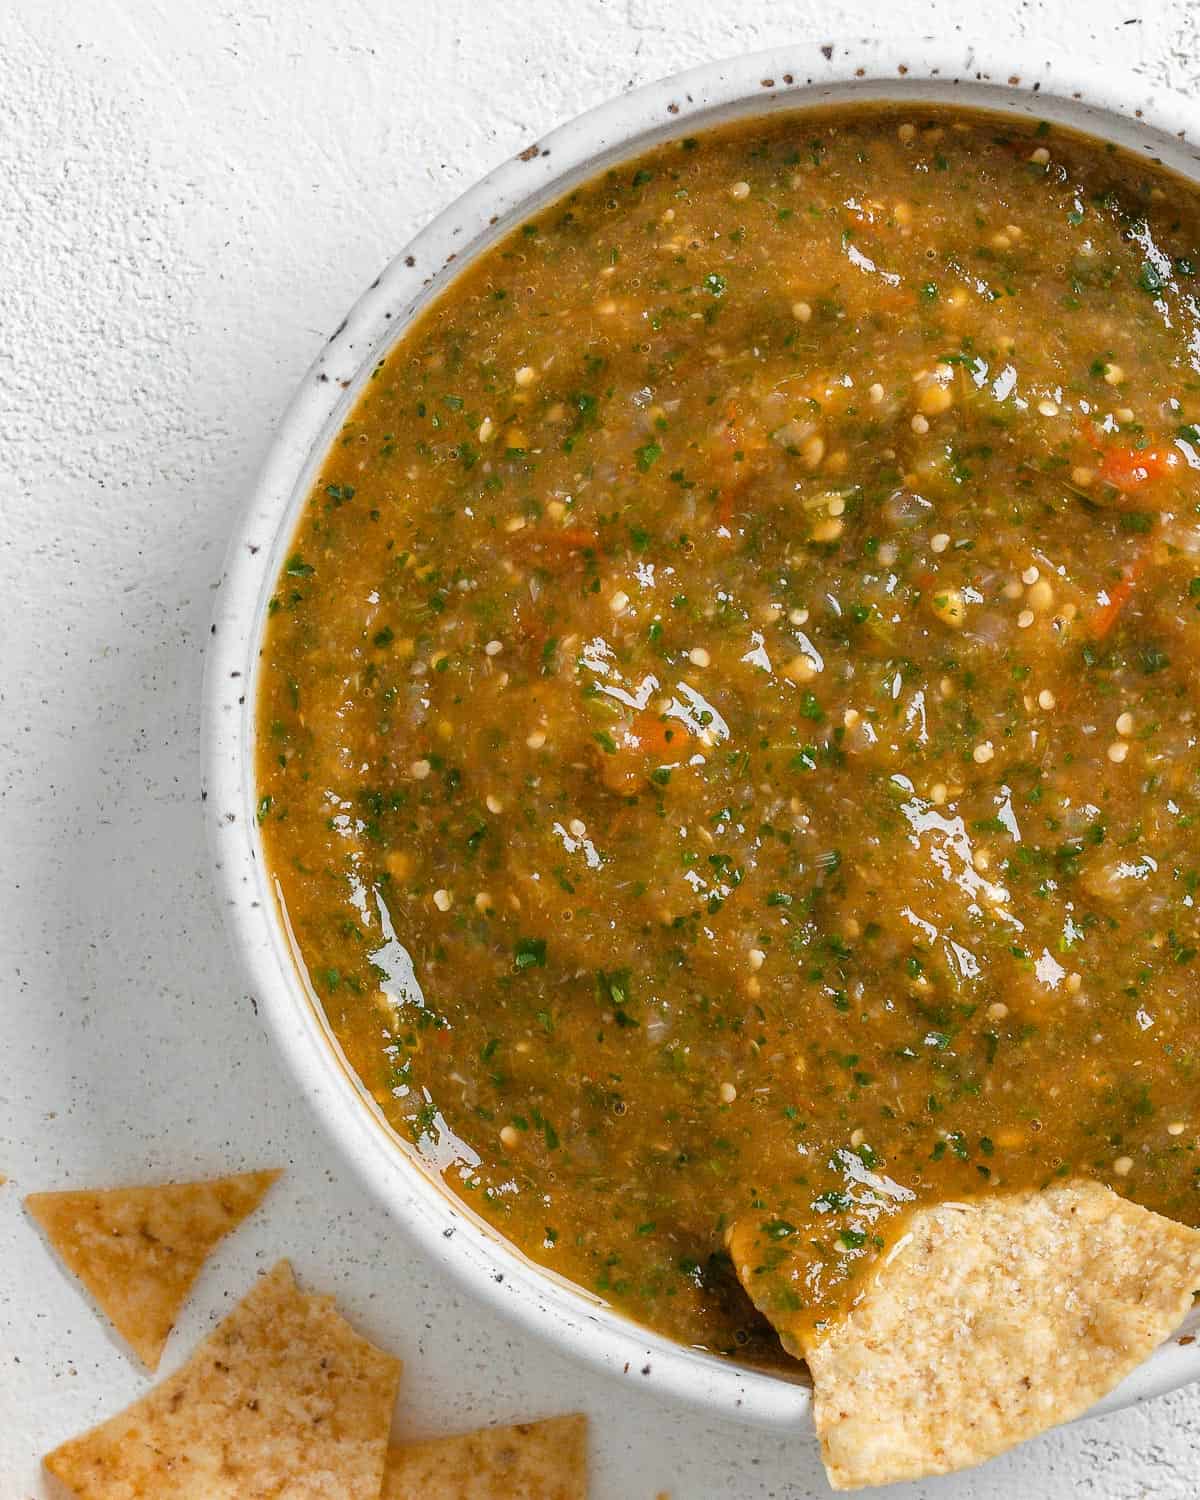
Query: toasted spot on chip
531,1461
282,1399
138,1250
990,1321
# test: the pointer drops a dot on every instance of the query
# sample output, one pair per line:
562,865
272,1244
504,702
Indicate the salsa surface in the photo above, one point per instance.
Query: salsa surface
727,740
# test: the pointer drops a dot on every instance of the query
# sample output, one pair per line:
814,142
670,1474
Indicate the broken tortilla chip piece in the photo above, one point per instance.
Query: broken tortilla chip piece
991,1320
531,1461
752,1261
282,1399
138,1250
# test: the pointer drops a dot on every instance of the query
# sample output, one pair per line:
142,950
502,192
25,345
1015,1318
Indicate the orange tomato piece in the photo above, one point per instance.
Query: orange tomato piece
654,736
1126,468
1103,619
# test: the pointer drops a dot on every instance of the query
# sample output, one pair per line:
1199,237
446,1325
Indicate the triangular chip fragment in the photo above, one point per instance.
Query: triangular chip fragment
282,1399
138,1250
531,1461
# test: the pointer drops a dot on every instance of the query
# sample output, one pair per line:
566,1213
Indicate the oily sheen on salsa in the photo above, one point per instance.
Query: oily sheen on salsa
727,718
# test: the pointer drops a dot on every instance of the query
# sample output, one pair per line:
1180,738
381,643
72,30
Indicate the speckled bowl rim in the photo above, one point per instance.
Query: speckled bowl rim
1113,105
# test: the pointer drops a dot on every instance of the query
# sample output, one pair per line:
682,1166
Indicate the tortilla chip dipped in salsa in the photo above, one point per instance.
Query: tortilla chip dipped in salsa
529,1461
748,627
283,1398
139,1250
985,1323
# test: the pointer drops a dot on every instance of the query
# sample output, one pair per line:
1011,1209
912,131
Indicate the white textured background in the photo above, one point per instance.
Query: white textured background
191,195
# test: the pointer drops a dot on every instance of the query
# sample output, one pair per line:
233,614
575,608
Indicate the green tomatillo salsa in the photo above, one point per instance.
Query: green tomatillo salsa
727,721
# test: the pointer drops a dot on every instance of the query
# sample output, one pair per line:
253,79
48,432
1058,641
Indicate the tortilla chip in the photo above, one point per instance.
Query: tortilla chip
282,1399
990,1321
532,1461
744,1241
138,1250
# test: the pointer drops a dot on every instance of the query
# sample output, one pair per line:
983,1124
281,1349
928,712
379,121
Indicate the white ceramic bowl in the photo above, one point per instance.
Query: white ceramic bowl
1120,108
